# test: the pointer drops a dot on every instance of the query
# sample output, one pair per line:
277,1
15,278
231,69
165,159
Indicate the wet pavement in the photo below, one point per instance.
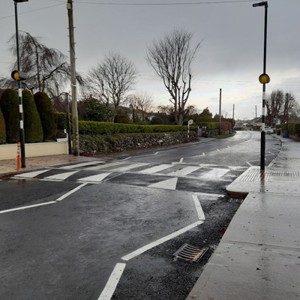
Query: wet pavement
259,254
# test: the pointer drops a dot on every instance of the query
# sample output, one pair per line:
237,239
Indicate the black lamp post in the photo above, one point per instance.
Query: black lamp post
263,79
22,134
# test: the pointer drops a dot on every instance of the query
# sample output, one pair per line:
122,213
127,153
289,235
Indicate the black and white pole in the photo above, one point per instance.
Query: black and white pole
22,133
264,79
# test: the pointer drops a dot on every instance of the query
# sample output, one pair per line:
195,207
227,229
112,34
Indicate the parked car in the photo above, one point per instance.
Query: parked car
269,130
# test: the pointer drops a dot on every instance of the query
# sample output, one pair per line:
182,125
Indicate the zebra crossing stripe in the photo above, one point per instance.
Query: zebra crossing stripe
30,174
85,164
155,169
215,173
106,166
169,184
184,171
130,167
60,177
94,178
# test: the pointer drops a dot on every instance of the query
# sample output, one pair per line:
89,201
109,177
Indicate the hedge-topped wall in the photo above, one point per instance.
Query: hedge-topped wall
93,144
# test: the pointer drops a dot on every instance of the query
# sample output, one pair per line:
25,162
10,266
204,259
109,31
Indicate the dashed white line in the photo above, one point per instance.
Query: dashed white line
112,282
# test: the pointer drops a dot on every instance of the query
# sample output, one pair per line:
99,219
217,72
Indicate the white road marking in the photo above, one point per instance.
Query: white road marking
155,169
210,195
215,173
30,174
112,282
85,164
126,158
59,177
129,167
181,160
184,171
203,154
160,241
71,192
169,184
156,153
45,203
199,209
26,207
94,178
106,166
249,163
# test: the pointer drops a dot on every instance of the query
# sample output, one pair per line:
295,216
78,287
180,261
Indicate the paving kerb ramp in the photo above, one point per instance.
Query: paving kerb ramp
259,254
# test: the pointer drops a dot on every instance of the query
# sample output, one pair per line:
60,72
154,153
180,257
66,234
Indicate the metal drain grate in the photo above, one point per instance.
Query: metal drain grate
189,253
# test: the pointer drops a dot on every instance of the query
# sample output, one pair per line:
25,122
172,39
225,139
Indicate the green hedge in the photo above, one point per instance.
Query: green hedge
2,129
60,120
9,103
46,112
215,125
107,128
32,122
293,128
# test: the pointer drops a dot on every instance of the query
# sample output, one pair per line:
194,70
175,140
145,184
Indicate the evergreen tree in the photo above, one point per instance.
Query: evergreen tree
47,116
2,129
9,103
32,122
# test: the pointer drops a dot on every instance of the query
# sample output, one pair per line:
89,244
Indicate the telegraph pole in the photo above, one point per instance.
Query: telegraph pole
220,118
21,114
75,136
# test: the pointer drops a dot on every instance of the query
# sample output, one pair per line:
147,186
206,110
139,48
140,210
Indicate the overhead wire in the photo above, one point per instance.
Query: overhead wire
164,3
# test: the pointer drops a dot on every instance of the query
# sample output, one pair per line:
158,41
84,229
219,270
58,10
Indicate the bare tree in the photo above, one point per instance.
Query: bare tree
111,79
274,106
289,109
171,58
140,104
47,68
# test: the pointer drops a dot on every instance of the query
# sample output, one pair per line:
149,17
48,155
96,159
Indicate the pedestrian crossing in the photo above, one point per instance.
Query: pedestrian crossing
166,176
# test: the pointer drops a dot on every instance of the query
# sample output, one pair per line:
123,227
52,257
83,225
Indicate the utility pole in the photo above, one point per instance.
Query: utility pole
232,116
75,136
220,118
21,114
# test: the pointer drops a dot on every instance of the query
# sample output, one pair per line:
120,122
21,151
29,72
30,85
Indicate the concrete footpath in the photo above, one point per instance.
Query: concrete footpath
259,254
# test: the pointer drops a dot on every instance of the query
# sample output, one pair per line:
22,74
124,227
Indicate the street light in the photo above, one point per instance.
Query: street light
22,134
263,79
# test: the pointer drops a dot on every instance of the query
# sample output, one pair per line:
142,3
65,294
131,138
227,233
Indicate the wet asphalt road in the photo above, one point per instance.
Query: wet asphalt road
96,217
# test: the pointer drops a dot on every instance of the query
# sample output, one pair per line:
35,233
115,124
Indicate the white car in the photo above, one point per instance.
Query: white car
269,130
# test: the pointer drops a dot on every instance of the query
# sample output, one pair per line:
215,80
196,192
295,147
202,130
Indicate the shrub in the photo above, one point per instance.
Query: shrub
2,129
32,122
60,120
46,112
9,103
108,128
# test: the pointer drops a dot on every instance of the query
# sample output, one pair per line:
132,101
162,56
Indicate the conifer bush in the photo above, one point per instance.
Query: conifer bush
9,103
32,122
46,112
2,129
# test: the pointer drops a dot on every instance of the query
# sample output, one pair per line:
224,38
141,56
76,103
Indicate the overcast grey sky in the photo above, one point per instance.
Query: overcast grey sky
230,56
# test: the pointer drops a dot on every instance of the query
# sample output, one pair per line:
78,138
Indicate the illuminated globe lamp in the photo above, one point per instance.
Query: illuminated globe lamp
264,78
